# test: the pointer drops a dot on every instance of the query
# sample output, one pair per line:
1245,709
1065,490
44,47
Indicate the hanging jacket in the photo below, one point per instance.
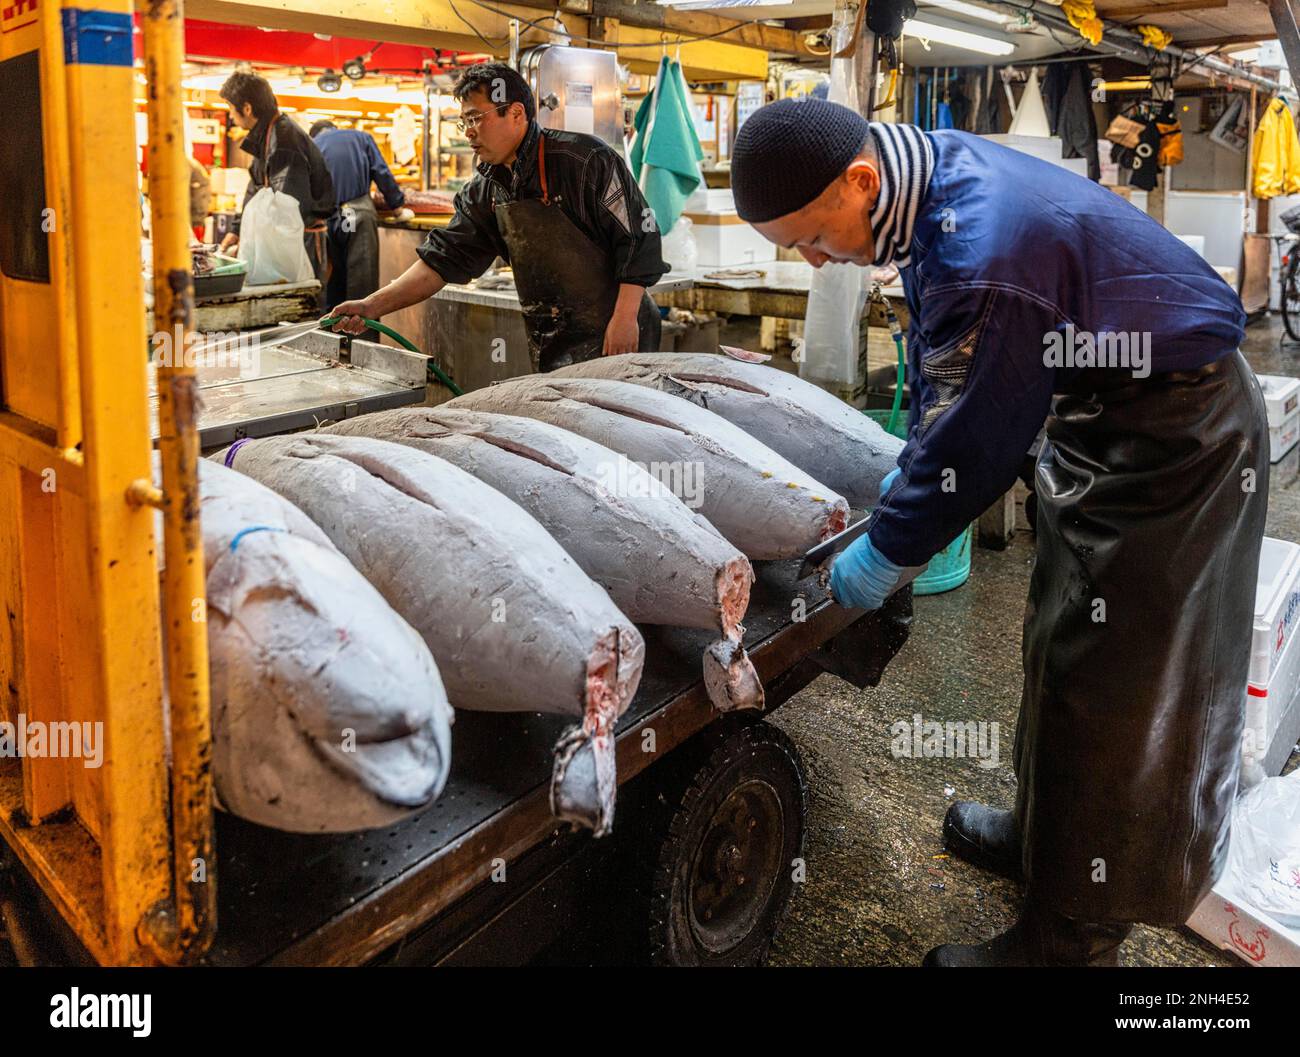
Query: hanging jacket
1277,154
1067,96
1171,135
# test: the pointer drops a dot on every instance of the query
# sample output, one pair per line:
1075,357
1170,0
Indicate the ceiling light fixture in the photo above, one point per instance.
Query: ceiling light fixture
960,7
329,81
958,38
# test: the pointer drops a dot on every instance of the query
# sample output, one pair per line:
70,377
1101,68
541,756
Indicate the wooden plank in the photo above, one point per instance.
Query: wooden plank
1139,10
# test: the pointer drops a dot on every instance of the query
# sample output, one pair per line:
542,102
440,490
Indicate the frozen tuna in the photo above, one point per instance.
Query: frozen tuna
328,713
767,507
818,432
660,563
514,624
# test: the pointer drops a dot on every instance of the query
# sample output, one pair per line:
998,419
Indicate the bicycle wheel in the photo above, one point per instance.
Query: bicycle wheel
1291,295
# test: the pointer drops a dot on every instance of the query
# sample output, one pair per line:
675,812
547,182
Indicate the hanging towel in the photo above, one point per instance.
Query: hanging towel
1277,154
666,155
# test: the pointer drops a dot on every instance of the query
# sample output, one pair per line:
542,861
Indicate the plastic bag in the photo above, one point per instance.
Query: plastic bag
680,251
271,240
838,292
1264,856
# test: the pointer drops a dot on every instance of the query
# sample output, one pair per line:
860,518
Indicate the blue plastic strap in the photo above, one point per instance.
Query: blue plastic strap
251,529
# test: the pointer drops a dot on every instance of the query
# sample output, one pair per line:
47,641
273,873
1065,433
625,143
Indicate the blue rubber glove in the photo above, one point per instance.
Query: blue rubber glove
862,577
888,481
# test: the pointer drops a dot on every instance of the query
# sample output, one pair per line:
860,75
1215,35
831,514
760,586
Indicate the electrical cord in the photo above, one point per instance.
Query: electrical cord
591,40
474,29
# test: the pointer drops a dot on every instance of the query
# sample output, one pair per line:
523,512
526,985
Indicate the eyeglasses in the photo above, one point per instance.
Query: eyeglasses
472,121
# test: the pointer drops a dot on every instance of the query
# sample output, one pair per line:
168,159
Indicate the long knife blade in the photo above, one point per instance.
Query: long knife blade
820,555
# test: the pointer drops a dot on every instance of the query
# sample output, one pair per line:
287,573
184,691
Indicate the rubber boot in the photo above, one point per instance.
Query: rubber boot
985,836
1040,937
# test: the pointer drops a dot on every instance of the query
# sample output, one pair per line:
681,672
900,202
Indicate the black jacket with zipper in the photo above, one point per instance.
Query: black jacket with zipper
584,177
296,167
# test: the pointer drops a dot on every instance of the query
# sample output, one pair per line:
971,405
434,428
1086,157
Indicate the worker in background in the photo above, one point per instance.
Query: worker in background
354,162
284,158
563,209
1021,279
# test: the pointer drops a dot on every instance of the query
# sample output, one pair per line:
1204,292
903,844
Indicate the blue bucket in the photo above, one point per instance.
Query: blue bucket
949,568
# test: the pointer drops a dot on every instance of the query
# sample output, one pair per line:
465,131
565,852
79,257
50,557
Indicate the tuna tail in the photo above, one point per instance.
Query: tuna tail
730,678
583,782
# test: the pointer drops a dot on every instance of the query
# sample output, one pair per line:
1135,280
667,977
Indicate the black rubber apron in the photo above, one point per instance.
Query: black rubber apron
1137,639
565,281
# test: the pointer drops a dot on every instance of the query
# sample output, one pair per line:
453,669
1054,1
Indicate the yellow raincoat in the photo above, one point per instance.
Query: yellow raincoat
1277,154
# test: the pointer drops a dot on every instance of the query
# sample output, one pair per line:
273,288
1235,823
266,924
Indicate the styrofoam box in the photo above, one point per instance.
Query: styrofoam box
710,200
1277,605
1282,401
1269,730
722,239
1229,922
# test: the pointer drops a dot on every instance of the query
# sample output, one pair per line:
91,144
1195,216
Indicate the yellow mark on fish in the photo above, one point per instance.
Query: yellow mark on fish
767,473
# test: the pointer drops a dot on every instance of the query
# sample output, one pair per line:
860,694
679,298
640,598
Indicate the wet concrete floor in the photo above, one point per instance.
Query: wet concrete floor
880,889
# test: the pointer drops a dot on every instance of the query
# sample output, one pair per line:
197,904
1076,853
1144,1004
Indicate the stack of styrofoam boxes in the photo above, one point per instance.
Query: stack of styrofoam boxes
1282,400
1047,148
1225,917
1272,706
722,239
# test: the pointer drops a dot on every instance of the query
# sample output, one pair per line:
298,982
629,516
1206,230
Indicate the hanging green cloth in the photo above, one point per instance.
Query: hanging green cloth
666,153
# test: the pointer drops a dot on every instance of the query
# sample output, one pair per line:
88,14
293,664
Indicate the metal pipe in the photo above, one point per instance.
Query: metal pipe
184,929
1125,42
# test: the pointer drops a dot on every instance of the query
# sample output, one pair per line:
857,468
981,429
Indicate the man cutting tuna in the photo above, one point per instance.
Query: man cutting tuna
563,209
1021,279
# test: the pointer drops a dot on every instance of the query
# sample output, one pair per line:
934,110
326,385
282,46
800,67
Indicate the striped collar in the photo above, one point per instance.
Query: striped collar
906,161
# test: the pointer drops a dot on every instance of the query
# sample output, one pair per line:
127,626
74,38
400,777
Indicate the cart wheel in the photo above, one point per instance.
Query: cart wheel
722,880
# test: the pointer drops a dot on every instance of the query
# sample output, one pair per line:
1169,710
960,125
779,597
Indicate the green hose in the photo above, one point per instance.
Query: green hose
437,371
896,331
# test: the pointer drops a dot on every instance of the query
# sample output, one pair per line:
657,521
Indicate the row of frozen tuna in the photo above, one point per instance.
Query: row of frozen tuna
495,554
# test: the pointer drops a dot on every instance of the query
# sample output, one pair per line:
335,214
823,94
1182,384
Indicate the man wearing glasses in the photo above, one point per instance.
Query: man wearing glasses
563,209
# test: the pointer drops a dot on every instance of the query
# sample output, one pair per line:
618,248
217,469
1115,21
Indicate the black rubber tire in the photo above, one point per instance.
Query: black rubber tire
753,771
1290,295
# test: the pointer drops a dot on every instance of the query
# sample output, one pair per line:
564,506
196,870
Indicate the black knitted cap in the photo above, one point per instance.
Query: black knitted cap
789,152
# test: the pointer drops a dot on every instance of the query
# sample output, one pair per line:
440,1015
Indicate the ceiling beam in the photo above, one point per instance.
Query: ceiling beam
1240,38
1160,9
694,24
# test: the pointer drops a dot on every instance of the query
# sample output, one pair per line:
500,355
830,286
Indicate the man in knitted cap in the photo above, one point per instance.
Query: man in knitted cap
1036,295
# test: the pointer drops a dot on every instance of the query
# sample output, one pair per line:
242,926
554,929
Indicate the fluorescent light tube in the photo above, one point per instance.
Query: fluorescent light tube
958,38
960,7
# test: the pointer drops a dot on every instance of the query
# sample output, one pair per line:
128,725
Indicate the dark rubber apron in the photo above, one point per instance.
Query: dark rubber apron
1137,639
565,281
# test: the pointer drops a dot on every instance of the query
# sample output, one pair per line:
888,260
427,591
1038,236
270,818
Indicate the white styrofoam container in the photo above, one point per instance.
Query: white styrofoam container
1232,924
710,200
1282,401
724,240
1277,606
1270,715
